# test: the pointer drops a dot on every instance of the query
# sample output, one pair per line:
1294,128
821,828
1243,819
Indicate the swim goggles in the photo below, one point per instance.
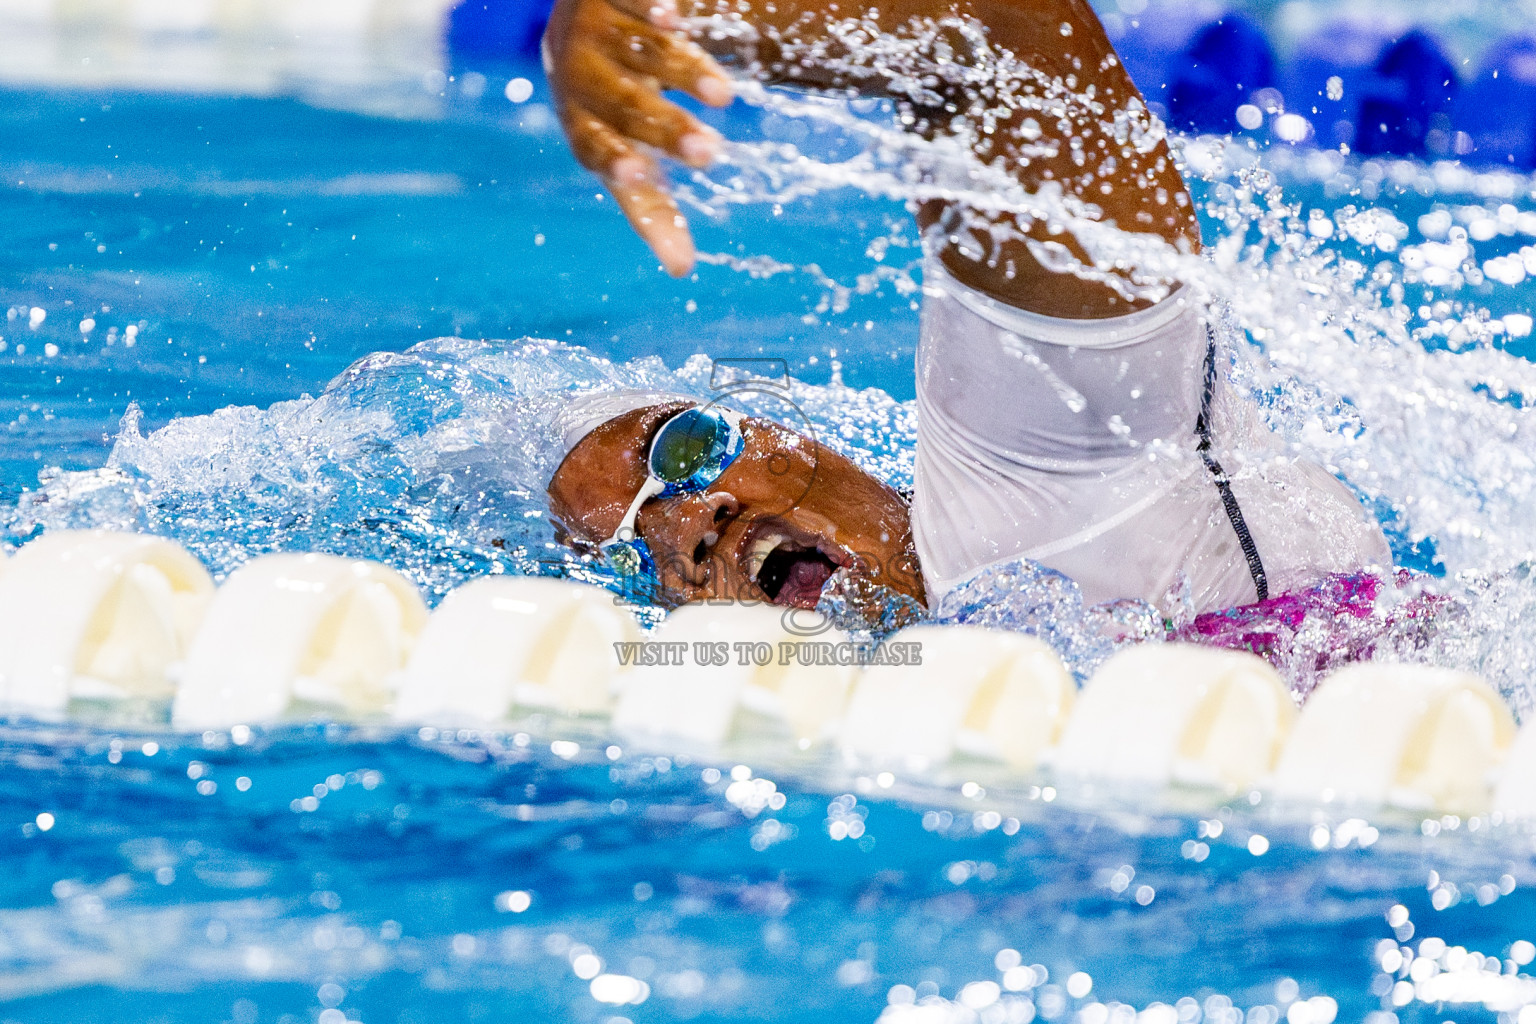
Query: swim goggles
688,453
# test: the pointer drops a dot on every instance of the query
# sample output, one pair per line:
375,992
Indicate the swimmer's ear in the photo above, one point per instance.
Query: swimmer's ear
564,536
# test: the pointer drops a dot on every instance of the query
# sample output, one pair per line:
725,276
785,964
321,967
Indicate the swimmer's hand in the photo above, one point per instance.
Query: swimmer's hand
609,62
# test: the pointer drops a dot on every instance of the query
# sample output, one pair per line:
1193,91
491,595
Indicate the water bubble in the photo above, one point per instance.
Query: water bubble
1269,100
1292,128
979,995
1018,979
513,901
619,989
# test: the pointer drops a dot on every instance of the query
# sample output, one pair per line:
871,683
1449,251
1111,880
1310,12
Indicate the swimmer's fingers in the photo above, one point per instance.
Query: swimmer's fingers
674,62
635,109
637,185
641,192
596,145
609,61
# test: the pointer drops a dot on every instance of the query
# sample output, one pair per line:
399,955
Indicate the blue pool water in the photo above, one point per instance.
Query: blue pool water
157,896
257,271
324,873
163,897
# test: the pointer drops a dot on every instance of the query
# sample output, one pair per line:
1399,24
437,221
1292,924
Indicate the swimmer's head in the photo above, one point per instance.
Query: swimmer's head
783,514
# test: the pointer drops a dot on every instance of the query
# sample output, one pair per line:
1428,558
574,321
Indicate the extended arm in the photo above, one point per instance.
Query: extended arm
1080,124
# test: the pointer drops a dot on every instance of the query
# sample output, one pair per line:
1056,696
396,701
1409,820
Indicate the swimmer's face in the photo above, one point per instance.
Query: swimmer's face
781,519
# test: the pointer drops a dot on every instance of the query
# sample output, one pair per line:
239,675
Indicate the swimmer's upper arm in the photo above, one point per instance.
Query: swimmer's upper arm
1034,43
610,60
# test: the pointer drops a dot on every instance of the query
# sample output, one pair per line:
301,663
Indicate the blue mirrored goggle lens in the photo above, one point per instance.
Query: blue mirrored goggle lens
630,558
693,448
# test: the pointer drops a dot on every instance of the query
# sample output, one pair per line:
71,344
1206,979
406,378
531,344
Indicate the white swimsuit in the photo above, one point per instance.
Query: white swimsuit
1075,443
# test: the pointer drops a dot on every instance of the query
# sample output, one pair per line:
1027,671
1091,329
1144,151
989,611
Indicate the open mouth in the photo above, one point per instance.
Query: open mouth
791,568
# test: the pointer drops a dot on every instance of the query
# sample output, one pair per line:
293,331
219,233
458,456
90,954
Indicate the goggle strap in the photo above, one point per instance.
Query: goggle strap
648,490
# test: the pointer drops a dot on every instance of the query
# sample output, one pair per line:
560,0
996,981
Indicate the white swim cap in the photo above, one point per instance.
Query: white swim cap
588,410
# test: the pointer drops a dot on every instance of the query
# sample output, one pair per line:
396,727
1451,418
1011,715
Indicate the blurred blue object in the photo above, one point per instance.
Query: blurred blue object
1324,78
504,29
1151,47
1404,97
1498,110
1224,65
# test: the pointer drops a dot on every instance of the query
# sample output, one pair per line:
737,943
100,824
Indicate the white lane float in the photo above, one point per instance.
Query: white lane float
806,684
96,615
501,642
1515,795
1164,713
722,660
1411,735
319,629
983,692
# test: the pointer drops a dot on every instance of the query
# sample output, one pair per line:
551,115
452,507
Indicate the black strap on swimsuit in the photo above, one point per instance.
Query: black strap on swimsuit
1219,475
